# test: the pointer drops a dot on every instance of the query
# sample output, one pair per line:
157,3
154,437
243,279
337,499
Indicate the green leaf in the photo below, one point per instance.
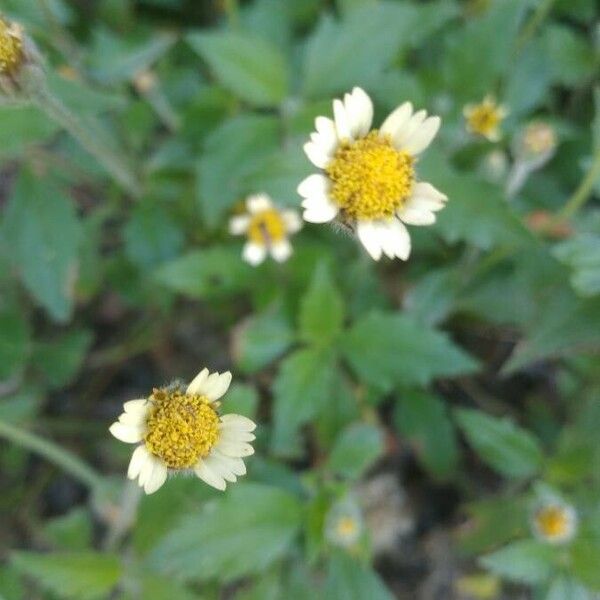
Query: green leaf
207,273
321,310
60,360
585,557
511,451
43,234
81,575
251,67
582,254
241,534
242,399
387,349
303,385
14,341
524,561
348,579
564,588
356,449
22,127
233,152
372,36
261,339
424,420
72,531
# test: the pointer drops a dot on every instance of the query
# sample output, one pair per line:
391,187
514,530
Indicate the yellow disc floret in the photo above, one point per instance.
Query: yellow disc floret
11,48
370,178
484,118
181,428
553,522
266,227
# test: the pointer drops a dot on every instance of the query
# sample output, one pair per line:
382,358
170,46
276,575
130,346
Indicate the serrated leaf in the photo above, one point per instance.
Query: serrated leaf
43,234
348,579
304,383
387,349
80,576
424,420
508,449
262,339
250,66
524,561
356,449
205,273
321,310
240,534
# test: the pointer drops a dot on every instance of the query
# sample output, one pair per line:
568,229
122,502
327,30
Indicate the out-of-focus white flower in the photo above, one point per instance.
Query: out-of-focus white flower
180,430
368,179
495,165
344,524
485,118
268,229
554,522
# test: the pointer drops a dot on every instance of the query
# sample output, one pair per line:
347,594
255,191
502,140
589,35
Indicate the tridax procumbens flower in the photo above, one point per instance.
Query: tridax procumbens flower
180,430
267,228
368,180
555,522
11,47
485,118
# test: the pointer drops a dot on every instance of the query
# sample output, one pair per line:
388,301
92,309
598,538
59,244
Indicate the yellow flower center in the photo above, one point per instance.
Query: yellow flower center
346,527
11,49
484,118
182,428
539,138
552,521
370,178
266,227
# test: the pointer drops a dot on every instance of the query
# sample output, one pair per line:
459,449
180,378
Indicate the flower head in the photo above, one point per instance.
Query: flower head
344,524
485,118
536,143
555,522
368,178
11,47
267,229
181,430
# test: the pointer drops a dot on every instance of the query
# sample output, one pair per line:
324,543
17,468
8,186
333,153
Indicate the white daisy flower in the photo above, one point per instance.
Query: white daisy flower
182,431
368,179
555,522
267,228
485,118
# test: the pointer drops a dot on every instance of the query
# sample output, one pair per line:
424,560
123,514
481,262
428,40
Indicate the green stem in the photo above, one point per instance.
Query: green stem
541,12
583,191
90,140
53,453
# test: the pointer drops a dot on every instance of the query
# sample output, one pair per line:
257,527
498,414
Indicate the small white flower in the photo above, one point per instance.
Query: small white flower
181,430
485,118
344,524
267,229
368,179
555,522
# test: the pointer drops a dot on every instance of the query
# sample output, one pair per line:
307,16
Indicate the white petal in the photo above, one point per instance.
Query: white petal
292,220
198,382
137,419
234,449
154,479
359,110
368,235
326,135
219,467
136,406
235,435
416,216
258,202
138,459
235,465
281,251
319,209
237,422
130,434
216,385
316,155
425,194
342,121
314,185
254,254
397,119
422,137
398,240
209,476
404,133
238,224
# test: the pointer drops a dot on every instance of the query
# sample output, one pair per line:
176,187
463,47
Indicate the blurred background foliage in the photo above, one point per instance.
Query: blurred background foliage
411,414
